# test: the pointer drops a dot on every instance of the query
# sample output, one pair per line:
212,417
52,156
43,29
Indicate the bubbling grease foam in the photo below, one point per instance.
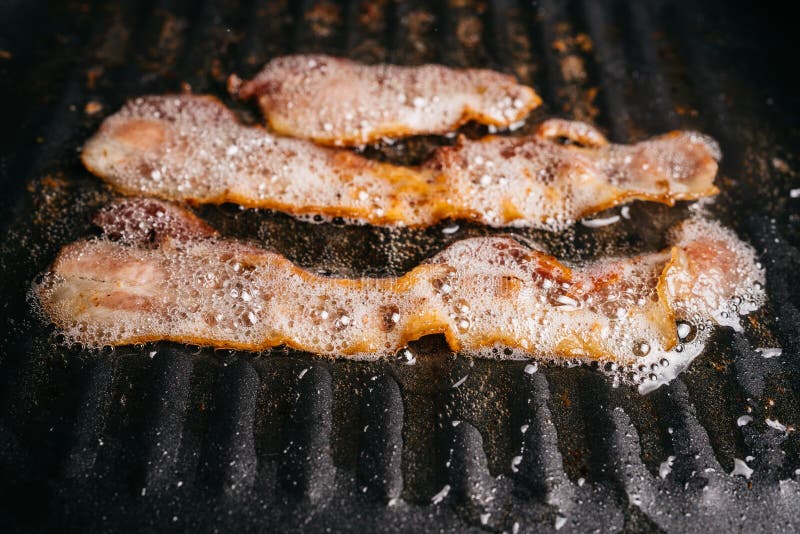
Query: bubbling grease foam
642,318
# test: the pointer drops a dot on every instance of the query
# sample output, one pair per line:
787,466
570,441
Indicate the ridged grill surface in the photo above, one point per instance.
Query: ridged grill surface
166,437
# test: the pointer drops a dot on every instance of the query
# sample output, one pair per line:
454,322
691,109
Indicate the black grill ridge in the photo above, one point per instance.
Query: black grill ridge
198,440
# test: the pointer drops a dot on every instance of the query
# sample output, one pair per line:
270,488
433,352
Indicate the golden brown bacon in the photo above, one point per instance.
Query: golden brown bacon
169,283
541,181
336,101
192,148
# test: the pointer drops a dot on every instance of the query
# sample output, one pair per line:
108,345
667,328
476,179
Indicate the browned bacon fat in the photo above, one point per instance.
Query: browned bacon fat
179,282
335,101
192,148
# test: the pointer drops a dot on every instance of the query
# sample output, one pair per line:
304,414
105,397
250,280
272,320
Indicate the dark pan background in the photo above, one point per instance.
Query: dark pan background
167,437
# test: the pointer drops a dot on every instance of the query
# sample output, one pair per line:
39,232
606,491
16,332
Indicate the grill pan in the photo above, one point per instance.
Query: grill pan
166,437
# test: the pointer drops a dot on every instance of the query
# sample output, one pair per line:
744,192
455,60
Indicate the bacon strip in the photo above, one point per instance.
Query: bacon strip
479,293
335,101
192,148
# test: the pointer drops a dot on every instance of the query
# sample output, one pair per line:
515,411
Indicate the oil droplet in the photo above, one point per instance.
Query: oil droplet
442,285
686,331
390,316
406,356
462,306
641,348
342,321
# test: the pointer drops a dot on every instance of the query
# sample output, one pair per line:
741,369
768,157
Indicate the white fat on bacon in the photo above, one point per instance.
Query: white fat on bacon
193,149
189,285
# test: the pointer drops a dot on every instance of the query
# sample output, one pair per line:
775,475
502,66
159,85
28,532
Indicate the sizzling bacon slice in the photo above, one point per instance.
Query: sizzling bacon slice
192,148
336,101
480,293
566,171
